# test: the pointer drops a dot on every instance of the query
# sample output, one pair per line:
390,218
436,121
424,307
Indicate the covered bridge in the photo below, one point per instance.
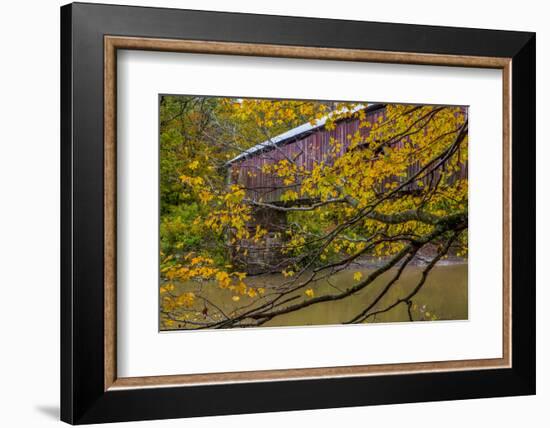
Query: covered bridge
306,145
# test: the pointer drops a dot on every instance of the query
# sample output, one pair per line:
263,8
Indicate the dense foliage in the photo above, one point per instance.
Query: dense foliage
363,203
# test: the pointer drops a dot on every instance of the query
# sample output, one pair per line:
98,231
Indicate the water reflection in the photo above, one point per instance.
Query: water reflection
444,296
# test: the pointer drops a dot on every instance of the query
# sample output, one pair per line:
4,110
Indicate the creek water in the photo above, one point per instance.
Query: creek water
444,296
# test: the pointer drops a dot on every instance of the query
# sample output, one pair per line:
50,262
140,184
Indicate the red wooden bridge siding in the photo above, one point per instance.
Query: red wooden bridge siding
305,150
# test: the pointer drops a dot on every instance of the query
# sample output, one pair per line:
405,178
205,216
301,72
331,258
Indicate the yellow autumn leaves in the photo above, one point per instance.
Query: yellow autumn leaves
200,269
361,171
170,303
269,114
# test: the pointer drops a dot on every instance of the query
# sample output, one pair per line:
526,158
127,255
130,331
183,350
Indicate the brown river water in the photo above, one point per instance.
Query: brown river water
444,296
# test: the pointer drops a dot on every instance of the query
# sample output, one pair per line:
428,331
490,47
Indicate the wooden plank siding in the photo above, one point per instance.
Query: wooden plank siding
305,150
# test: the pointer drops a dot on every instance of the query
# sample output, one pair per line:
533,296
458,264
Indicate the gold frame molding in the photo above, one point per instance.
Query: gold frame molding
113,43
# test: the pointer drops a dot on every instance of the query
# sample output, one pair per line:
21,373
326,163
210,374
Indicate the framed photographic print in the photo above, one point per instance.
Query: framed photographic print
275,213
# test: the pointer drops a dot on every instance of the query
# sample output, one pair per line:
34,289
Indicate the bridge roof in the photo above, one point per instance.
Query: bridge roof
295,133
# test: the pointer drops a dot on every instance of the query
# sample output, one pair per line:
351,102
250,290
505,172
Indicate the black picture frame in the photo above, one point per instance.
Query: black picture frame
83,396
